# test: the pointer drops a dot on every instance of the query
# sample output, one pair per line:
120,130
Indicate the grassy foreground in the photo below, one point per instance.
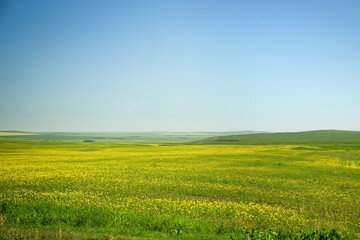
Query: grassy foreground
150,191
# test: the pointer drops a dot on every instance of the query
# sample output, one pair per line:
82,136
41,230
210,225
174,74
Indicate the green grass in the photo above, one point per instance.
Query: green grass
320,136
112,190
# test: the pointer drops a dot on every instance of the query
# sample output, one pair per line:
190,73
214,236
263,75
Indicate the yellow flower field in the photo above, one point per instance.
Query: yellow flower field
190,191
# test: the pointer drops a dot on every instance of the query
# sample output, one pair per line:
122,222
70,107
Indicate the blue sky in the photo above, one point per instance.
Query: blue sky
179,65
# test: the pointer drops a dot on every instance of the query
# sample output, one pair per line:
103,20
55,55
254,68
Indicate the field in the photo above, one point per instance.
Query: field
150,137
17,134
114,190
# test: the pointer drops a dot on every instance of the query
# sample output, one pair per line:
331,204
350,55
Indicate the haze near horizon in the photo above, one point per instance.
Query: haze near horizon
179,65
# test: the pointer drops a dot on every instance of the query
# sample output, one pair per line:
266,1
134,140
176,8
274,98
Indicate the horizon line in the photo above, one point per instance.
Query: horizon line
169,131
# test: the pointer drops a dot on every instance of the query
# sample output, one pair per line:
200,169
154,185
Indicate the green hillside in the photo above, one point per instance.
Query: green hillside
319,136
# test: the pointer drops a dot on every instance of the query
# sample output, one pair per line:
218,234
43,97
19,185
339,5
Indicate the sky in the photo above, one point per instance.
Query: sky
189,65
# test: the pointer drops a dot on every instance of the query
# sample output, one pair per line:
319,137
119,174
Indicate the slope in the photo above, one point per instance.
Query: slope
319,136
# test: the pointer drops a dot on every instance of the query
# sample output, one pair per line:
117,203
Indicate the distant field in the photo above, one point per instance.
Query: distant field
5,134
109,137
55,189
168,137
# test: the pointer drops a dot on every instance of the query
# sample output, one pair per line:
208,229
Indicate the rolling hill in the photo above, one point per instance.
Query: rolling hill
319,136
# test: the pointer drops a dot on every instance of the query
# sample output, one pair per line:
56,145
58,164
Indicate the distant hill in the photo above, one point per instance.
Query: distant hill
319,136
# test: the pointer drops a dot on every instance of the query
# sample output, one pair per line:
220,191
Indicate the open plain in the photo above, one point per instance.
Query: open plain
59,189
